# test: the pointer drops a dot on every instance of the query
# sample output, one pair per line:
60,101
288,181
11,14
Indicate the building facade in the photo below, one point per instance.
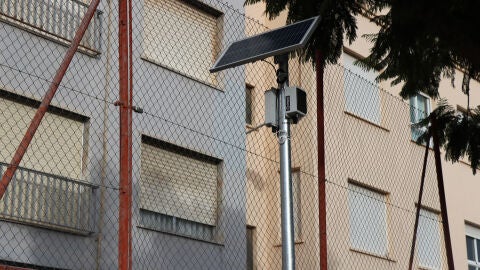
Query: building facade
61,209
373,171
206,191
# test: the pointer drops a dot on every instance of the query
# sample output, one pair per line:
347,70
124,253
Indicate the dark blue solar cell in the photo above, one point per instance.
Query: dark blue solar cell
268,44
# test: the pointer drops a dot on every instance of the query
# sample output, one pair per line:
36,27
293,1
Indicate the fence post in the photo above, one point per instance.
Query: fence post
419,205
441,194
125,104
322,205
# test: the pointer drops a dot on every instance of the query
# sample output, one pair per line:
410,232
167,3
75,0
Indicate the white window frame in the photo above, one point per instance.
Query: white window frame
426,216
415,107
355,246
473,232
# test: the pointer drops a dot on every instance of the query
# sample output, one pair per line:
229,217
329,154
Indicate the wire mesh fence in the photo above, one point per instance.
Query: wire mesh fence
206,182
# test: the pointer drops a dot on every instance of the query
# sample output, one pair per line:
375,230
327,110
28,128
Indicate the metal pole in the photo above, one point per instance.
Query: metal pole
32,129
322,201
125,103
441,195
288,244
420,195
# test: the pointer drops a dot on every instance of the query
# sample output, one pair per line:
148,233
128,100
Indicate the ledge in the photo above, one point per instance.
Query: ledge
299,242
373,255
366,121
91,52
219,243
153,62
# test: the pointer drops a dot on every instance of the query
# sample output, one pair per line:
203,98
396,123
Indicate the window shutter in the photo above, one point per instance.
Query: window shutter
177,185
368,220
191,46
428,240
57,147
361,99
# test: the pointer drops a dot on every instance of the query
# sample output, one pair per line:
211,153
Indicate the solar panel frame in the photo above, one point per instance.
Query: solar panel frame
252,58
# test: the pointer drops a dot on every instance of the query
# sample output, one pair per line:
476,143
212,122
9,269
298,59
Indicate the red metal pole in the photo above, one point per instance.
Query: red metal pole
441,195
125,102
322,205
32,129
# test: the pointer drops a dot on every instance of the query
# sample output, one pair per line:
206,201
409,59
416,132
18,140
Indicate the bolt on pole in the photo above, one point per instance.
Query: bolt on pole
288,244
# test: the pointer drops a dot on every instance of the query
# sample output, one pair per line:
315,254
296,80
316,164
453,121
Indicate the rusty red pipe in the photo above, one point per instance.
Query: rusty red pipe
125,102
322,202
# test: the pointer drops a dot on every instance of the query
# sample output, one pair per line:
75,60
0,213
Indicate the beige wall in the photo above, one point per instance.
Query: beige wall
356,150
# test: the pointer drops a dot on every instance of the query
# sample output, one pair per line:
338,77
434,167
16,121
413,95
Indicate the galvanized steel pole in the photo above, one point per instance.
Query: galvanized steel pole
288,241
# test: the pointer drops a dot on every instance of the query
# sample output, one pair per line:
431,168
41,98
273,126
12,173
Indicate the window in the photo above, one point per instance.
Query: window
428,240
251,248
55,19
178,190
419,109
45,191
368,220
473,247
58,146
182,36
297,204
249,105
362,95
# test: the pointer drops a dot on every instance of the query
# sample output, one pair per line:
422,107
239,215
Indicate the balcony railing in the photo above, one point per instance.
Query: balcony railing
54,19
50,201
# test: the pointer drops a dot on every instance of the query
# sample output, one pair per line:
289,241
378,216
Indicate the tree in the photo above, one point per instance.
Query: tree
419,42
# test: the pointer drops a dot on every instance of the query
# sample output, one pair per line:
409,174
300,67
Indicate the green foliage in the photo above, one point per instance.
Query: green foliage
422,41
459,134
443,115
419,43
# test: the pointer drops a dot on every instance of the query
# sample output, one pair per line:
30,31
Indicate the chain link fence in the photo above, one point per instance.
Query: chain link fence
206,182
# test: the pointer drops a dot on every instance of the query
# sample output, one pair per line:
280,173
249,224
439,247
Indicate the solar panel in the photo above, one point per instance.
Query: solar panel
274,42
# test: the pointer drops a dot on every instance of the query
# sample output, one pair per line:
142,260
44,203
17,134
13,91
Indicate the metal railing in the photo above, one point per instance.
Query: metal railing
50,201
54,19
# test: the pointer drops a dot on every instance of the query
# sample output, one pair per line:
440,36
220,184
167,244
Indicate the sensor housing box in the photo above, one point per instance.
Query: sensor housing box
295,103
271,108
